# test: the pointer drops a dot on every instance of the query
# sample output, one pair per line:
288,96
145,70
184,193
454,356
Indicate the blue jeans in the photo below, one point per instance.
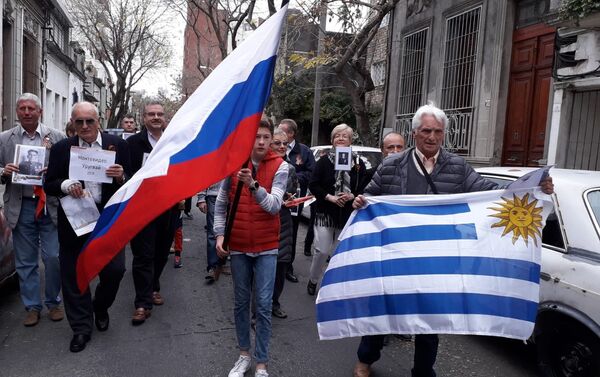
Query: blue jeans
28,235
261,270
212,260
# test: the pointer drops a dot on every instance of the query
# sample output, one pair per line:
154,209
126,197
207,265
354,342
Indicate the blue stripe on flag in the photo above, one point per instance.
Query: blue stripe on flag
243,100
438,232
500,267
106,220
383,209
427,303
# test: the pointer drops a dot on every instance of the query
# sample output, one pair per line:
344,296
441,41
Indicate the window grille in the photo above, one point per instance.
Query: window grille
410,96
460,61
378,73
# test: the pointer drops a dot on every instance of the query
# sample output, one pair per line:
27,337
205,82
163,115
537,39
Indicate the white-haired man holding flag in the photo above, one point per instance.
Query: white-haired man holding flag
426,169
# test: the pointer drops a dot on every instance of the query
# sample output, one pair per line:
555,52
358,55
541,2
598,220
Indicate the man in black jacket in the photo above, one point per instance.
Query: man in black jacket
150,247
301,158
79,306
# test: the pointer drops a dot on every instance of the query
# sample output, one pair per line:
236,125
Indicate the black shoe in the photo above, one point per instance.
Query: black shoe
279,313
291,277
188,215
311,288
78,342
102,320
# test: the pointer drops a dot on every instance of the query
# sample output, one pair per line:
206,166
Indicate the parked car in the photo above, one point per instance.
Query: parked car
7,258
371,157
567,330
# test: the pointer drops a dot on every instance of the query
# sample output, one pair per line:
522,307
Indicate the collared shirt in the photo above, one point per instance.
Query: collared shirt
28,140
36,140
429,163
95,188
152,140
290,147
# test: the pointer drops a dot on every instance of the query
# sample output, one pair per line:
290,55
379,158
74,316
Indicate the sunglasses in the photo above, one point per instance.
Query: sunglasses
81,122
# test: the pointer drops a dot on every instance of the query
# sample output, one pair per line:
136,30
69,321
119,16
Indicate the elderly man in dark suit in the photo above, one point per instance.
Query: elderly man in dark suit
80,307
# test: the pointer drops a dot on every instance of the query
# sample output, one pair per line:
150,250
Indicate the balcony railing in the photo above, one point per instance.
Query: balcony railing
457,137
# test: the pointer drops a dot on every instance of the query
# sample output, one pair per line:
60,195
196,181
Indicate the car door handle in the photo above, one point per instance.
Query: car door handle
545,276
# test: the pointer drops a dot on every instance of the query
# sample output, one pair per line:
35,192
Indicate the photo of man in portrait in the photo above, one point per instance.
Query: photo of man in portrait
30,164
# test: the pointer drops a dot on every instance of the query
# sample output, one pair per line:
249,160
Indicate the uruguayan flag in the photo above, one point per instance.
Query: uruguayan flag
431,264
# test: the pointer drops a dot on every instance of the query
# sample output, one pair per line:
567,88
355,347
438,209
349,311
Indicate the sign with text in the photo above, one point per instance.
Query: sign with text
87,164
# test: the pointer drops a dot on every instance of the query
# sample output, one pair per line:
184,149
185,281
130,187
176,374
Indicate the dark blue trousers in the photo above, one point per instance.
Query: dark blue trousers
426,346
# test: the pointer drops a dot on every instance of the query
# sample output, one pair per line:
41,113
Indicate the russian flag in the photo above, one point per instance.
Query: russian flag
209,138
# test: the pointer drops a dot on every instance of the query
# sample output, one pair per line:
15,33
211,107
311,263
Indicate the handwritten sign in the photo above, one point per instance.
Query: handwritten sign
87,164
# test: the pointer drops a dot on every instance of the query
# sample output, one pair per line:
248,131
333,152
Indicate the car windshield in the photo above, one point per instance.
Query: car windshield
594,200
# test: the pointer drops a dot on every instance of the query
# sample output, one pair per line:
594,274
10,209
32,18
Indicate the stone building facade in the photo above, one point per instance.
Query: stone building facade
488,64
37,57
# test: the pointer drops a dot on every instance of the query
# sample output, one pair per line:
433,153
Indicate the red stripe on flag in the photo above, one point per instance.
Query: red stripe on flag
155,195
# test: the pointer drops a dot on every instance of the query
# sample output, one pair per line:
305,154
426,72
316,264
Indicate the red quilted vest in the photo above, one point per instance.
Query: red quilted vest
254,229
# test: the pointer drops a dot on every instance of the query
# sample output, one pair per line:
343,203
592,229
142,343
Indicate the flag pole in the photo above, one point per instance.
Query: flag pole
233,209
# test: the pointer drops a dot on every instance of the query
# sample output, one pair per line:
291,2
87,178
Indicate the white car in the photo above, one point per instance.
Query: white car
567,332
371,157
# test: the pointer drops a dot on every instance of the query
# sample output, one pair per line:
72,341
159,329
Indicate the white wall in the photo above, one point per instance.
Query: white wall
57,95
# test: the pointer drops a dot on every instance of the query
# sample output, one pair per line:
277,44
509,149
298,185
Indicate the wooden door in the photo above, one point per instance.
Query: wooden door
528,95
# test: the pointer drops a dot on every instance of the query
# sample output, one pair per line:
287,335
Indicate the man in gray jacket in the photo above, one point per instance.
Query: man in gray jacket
426,169
32,223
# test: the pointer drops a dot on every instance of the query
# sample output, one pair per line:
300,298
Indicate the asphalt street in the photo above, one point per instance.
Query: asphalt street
192,334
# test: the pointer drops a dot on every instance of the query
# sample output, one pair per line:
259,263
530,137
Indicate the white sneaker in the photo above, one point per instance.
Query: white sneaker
242,365
261,373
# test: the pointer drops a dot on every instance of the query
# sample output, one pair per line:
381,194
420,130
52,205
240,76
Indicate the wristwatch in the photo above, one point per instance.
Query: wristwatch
254,186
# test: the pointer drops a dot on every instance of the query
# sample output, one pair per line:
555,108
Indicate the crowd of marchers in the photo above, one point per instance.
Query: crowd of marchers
261,242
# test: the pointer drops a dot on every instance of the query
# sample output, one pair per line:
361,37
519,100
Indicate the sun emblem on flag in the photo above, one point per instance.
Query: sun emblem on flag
519,216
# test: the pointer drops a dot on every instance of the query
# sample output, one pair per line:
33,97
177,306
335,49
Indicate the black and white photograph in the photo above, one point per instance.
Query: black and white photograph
342,158
82,213
30,160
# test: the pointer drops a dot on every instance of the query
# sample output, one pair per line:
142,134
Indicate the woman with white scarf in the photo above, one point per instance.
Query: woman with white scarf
334,192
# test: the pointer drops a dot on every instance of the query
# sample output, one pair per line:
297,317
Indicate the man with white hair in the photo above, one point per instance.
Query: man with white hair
81,309
31,217
425,169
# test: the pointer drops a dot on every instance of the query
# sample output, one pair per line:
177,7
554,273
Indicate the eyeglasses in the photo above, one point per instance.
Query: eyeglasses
278,143
81,122
155,115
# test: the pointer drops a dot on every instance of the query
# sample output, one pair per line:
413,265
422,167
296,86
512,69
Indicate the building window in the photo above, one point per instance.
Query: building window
378,73
412,69
460,59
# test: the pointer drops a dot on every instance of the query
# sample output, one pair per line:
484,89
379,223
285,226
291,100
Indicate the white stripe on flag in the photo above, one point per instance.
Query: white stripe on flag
403,220
422,324
391,285
445,248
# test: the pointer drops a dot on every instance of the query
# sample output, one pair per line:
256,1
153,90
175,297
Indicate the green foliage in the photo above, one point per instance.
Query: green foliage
577,9
292,97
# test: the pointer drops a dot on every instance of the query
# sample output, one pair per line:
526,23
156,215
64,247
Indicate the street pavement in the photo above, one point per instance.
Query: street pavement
193,334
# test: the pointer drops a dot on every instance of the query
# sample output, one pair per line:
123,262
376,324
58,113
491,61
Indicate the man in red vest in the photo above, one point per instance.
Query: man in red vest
253,244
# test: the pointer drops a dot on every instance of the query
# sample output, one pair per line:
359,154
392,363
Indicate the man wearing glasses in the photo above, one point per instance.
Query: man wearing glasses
80,308
150,247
